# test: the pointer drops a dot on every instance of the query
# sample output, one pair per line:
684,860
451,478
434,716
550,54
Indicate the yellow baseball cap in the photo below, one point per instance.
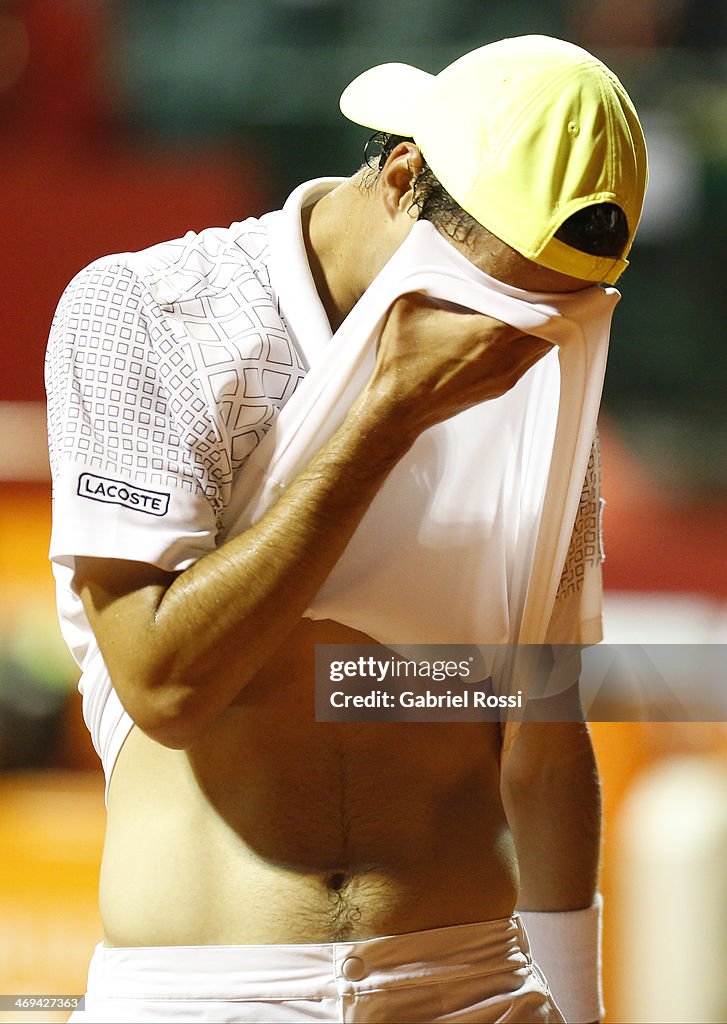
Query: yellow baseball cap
522,133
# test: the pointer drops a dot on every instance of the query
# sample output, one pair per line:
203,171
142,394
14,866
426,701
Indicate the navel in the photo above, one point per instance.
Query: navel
337,881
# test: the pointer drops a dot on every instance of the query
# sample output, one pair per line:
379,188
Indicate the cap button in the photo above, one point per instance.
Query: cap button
573,128
353,968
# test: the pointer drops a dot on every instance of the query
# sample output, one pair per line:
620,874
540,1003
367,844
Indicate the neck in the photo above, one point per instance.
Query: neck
341,253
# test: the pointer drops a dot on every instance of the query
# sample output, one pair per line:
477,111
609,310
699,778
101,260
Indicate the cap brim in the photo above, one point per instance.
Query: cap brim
385,97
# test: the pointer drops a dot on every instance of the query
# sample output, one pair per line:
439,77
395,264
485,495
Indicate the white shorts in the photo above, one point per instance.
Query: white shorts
472,972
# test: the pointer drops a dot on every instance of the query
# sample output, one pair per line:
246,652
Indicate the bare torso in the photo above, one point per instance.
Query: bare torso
273,828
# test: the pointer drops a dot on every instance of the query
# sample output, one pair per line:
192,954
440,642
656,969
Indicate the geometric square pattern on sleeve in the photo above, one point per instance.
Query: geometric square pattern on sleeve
586,548
167,367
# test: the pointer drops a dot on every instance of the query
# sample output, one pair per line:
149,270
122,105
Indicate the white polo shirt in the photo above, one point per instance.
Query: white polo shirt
165,368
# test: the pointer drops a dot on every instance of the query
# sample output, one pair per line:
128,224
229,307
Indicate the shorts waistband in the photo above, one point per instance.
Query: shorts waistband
309,970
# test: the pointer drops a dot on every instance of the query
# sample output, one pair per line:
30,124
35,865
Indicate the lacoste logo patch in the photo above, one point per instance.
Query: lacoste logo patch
115,492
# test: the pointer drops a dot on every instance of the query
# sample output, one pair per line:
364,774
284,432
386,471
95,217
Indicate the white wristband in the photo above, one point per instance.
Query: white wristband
567,947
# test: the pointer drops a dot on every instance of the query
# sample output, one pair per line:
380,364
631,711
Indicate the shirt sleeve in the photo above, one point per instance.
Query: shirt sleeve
577,612
576,618
135,454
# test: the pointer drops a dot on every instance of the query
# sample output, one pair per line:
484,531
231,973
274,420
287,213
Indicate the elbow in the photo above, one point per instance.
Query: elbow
172,703
174,733
168,715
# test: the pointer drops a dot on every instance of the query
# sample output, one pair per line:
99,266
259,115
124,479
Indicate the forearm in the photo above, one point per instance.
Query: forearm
180,649
553,802
552,798
200,638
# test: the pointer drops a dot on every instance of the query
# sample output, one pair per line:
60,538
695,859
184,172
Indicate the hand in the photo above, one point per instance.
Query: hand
433,363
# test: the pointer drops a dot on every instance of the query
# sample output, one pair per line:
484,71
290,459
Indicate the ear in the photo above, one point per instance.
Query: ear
396,181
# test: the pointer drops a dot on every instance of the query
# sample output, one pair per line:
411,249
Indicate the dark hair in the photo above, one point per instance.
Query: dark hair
599,230
435,204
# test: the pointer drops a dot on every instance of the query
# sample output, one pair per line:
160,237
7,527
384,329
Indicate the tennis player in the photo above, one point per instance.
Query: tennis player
258,865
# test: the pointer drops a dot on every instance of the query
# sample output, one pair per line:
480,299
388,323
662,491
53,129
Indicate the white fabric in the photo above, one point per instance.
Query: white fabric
567,946
473,972
472,527
166,368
